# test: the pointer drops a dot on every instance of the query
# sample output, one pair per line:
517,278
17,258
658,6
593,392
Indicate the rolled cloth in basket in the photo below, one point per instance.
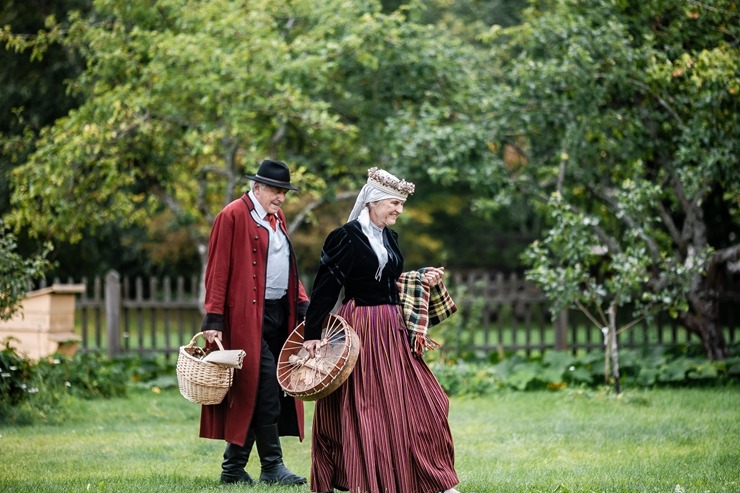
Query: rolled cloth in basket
231,358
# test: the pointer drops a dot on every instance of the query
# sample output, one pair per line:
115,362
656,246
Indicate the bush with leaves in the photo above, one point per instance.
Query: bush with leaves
16,271
26,396
40,391
681,366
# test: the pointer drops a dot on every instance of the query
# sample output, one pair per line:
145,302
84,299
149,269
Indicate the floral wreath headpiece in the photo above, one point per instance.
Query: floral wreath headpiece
385,181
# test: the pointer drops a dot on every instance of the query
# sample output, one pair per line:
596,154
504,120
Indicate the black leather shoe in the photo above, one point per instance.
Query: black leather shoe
235,460
242,479
280,474
271,458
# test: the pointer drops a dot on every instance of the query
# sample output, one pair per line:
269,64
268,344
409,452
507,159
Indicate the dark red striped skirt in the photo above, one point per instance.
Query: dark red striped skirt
385,430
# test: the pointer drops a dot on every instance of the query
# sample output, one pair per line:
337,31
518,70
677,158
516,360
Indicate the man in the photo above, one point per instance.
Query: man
253,300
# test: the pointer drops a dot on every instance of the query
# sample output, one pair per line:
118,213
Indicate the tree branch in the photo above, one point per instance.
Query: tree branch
630,324
528,188
276,138
727,254
660,100
301,216
671,227
230,160
588,314
561,175
626,218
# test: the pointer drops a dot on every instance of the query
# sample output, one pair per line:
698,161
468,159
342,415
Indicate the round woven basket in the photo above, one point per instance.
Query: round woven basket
310,379
200,381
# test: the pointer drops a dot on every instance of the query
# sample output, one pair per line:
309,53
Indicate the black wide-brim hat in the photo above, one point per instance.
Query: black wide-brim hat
273,173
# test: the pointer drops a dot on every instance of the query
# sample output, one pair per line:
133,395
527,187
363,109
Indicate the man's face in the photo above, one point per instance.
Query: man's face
270,197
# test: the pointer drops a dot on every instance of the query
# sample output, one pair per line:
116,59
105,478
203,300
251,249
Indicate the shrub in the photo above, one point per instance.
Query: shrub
33,392
29,392
555,370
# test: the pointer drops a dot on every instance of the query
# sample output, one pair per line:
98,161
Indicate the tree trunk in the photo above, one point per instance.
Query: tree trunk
203,254
702,318
709,331
614,345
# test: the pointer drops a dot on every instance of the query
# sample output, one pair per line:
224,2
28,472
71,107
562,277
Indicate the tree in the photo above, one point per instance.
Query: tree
575,268
33,94
625,115
180,100
467,20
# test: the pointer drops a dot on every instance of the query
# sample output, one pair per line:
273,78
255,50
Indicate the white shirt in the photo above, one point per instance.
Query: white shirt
278,254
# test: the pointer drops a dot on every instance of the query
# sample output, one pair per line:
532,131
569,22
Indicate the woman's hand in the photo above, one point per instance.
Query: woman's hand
212,335
433,275
312,345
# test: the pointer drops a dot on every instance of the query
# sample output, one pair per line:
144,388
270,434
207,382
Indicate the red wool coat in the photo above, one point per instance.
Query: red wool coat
235,288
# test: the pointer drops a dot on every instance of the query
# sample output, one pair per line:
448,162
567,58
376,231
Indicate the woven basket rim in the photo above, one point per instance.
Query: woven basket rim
199,381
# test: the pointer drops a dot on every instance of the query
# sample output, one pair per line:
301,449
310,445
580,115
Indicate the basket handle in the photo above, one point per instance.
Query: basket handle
199,334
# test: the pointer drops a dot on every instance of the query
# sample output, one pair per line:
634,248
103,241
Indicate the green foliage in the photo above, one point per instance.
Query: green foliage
179,100
619,123
632,131
32,392
176,109
468,20
16,272
559,370
572,265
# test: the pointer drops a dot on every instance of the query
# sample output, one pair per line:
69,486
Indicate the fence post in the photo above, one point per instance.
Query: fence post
561,331
113,311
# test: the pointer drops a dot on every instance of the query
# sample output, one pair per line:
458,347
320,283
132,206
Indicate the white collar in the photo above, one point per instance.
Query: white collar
376,242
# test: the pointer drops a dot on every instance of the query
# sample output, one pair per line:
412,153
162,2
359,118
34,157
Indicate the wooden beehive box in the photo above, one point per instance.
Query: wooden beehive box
45,322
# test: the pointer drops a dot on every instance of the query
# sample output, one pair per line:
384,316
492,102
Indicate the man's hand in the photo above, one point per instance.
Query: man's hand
212,335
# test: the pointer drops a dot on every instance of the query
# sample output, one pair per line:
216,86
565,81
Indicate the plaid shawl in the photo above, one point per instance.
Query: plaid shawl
424,306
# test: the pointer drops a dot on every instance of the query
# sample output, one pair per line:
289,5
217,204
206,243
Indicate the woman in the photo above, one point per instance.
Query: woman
385,429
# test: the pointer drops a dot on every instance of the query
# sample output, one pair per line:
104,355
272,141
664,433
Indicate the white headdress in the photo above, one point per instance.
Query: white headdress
380,185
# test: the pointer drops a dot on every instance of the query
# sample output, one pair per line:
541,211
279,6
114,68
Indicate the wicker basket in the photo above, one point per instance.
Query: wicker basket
200,381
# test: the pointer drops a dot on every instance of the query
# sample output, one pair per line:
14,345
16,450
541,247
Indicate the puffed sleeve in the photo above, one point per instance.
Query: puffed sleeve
334,265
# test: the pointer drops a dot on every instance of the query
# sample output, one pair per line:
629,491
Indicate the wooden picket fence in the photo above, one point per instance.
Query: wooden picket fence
122,315
497,313
509,314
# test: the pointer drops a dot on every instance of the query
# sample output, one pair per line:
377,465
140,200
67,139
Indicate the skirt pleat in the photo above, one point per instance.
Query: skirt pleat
385,430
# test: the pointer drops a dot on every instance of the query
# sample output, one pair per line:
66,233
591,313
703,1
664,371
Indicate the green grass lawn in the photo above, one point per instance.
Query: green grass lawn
570,441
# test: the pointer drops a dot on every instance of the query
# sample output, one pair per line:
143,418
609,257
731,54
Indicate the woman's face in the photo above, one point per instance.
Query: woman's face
385,212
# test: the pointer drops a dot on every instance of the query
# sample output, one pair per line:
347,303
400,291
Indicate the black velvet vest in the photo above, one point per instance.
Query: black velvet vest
348,261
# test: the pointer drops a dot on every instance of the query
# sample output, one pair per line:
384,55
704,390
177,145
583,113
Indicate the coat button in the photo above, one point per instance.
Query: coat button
254,263
254,302
254,276
256,237
254,250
